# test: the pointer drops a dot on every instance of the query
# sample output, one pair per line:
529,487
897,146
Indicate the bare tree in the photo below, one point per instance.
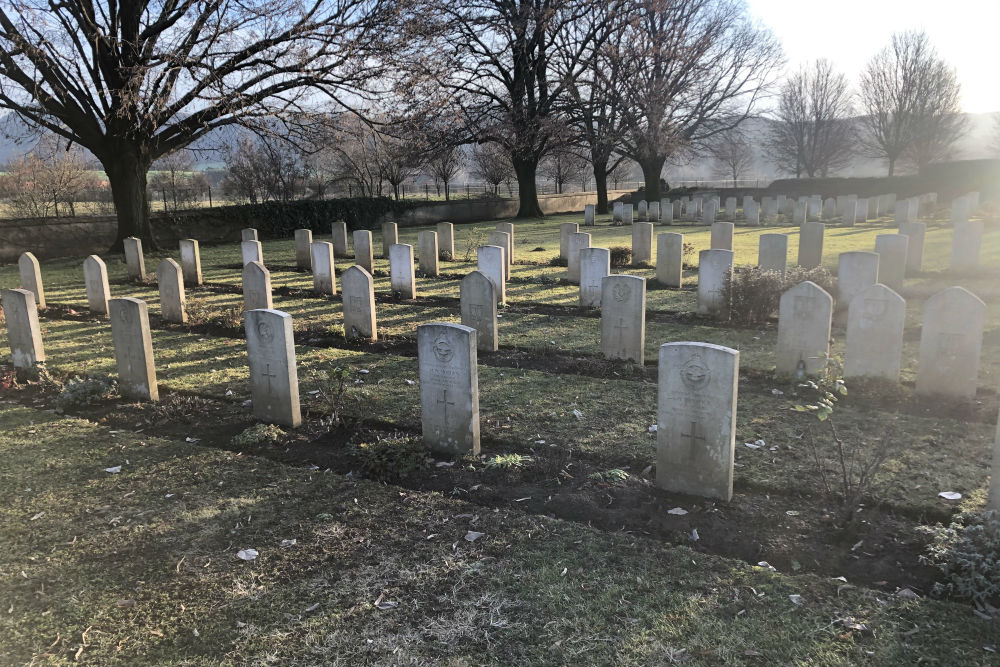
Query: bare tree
493,58
444,166
53,172
621,172
491,164
811,132
264,168
133,81
733,154
909,100
694,68
398,159
172,177
562,166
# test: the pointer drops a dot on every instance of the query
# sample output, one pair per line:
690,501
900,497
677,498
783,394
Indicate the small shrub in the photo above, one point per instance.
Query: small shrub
258,435
752,293
445,255
391,459
474,238
613,476
333,386
558,260
507,462
687,253
621,256
819,275
968,554
82,392
200,312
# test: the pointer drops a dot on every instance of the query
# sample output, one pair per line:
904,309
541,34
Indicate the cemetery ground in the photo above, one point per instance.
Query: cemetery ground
580,560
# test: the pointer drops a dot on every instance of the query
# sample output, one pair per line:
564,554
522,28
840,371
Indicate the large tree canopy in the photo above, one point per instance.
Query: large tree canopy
134,80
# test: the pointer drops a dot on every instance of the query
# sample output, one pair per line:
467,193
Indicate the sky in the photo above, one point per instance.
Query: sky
966,34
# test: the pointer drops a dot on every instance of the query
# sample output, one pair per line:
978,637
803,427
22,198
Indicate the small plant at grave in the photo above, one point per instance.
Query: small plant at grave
558,260
613,476
199,312
83,392
752,293
258,435
621,256
507,462
819,275
392,459
474,238
967,552
687,253
333,392
444,255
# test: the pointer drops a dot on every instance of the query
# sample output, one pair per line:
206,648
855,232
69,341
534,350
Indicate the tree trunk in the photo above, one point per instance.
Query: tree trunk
525,169
126,171
601,185
892,165
447,191
651,168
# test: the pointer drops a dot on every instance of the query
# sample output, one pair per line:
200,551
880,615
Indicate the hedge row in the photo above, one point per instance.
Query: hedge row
274,219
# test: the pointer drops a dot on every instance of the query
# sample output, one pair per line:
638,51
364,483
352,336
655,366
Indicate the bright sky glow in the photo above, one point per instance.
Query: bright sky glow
966,34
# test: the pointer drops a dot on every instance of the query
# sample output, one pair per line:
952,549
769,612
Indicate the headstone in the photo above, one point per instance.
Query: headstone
491,262
616,211
248,234
191,262
595,265
357,289
666,212
722,236
670,259
875,322
830,208
623,317
850,213
959,209
713,272
627,214
772,252
134,261
751,211
950,344
256,287
805,314
449,387
31,277
654,211
799,213
251,251
642,243
916,232
642,210
966,241
390,237
747,202
363,254
811,244
589,211
873,208
696,419
23,333
708,214
577,242
861,210
402,277
479,309
95,278
446,241
856,272
565,229
338,232
170,281
780,200
133,349
303,252
841,204
427,251
274,379
815,207
891,249
324,279
508,227
503,240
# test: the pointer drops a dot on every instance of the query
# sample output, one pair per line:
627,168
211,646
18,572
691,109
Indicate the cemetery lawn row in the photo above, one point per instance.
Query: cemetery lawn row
138,565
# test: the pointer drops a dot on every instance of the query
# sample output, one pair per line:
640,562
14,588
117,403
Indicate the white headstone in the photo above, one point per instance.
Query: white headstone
916,232
670,259
875,322
446,240
616,211
427,252
713,272
623,317
303,253
722,236
390,237
577,242
491,262
627,218
666,211
31,277
811,244
772,252
642,210
798,212
364,256
589,212
248,234
357,289
696,419
134,260
642,243
402,277
95,278
850,213
951,343
654,211
856,272
338,232
190,262
565,229
891,249
861,210
324,278
23,333
274,380
595,265
251,251
449,387
830,208
966,241
256,287
479,308
508,227
170,281
501,239
708,213
805,314
133,349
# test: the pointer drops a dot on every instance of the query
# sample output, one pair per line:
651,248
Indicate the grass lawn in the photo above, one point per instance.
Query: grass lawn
576,566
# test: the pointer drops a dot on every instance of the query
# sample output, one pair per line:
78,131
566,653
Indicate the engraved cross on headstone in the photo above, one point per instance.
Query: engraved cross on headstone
268,374
620,327
692,440
445,402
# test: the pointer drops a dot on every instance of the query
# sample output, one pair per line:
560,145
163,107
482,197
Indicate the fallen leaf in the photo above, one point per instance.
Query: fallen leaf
472,536
678,511
247,554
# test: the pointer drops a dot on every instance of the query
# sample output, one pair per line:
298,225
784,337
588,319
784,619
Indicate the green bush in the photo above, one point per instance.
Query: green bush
558,260
274,219
82,392
968,554
621,256
819,275
753,294
392,459
259,435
